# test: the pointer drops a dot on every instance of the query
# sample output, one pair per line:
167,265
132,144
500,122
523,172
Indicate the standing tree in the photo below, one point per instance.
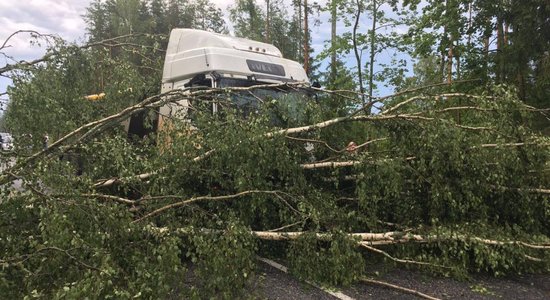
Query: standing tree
247,19
250,21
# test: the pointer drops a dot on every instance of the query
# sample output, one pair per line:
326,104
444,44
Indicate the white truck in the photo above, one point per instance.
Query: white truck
197,58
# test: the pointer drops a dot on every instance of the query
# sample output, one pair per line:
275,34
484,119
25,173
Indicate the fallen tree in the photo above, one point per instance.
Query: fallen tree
413,185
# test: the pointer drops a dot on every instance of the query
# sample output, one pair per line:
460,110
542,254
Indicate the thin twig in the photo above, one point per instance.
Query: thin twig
286,226
399,288
513,145
416,89
47,56
201,198
26,257
448,95
288,204
314,141
331,148
399,260
38,34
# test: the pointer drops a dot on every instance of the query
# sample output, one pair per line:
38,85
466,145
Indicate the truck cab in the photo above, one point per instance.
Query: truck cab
201,59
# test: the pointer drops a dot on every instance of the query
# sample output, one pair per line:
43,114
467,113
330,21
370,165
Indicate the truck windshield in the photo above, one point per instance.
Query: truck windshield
287,104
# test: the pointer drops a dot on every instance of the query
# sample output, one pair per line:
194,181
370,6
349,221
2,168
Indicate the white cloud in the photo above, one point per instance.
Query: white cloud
59,17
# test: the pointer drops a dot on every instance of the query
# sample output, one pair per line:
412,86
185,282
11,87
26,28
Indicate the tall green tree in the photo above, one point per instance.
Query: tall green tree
205,15
97,20
491,40
158,13
250,21
369,31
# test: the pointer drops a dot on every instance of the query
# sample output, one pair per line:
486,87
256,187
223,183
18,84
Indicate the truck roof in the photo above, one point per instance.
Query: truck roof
191,52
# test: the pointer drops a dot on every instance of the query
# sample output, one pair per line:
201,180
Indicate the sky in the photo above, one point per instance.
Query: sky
59,17
64,19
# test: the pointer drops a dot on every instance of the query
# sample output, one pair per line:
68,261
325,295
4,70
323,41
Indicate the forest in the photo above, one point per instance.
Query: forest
427,147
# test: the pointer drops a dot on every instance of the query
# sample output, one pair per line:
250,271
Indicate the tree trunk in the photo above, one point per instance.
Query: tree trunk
442,66
499,74
506,33
458,70
306,38
333,21
267,23
486,56
450,60
372,50
450,44
300,31
469,24
252,16
356,51
443,45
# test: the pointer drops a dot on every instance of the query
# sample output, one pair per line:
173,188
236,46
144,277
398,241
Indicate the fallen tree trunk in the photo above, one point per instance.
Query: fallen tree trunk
366,238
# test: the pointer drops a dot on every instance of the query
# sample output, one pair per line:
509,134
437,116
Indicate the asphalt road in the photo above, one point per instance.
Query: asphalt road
271,283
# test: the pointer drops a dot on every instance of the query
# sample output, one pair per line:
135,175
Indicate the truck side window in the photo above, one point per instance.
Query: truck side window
204,104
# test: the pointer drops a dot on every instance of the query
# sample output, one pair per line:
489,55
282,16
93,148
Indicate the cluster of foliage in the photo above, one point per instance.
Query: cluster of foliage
58,88
495,40
455,182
